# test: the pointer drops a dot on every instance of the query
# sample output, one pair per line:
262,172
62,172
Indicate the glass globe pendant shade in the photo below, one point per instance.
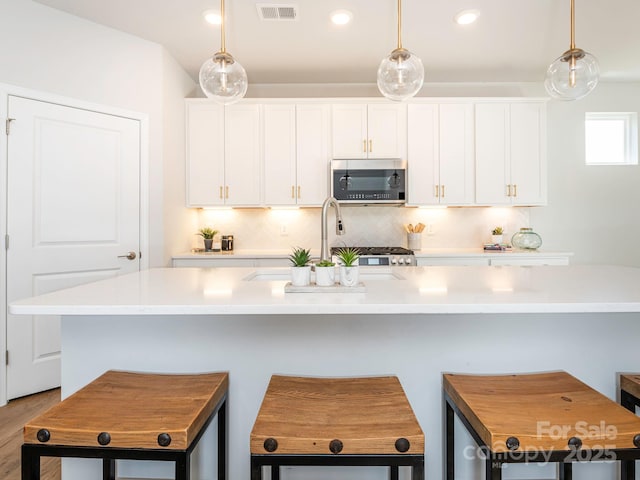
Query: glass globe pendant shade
400,75
223,79
573,75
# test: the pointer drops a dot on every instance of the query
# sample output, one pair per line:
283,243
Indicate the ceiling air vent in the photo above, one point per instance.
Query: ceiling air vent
277,11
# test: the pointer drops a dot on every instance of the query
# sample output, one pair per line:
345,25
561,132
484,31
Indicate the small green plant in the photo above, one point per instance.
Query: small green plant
325,263
207,232
300,257
349,256
497,231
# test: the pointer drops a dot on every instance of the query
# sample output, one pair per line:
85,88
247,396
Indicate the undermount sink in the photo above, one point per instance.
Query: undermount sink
368,274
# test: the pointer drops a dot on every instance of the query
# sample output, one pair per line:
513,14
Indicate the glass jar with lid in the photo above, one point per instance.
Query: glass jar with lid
526,239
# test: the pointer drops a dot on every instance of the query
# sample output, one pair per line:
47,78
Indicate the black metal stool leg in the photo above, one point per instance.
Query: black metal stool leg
223,449
275,472
256,469
393,472
108,469
30,463
449,442
493,469
565,470
183,466
417,469
628,467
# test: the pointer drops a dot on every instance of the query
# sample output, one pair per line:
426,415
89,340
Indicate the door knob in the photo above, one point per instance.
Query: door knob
130,256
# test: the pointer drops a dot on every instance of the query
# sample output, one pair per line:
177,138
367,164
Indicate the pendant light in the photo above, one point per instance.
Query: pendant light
401,74
575,73
222,78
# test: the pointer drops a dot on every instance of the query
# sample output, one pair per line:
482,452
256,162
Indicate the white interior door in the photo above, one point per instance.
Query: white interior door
73,216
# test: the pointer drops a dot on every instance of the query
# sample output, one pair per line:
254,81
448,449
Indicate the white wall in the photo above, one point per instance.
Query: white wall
593,211
54,52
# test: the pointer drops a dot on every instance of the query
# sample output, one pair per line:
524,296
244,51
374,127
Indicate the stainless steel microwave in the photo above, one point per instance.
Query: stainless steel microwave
369,180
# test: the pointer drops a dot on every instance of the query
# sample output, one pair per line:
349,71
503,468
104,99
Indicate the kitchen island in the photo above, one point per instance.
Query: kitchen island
412,322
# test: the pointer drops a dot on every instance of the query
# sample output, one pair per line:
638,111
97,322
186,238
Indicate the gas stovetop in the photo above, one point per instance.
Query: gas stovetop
377,250
370,256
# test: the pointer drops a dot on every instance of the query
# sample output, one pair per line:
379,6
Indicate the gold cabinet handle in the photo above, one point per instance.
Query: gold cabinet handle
364,145
442,190
220,192
226,193
293,191
515,190
299,190
508,190
436,191
370,145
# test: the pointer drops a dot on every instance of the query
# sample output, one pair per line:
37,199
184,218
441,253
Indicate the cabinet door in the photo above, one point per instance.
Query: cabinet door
312,130
528,154
387,131
279,122
349,131
243,172
205,153
492,150
422,154
456,154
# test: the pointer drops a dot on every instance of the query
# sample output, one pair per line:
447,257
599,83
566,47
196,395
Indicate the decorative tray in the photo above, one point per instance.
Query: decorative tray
335,288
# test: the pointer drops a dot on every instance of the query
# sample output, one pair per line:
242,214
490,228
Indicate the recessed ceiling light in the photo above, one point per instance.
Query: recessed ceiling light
466,17
212,17
341,17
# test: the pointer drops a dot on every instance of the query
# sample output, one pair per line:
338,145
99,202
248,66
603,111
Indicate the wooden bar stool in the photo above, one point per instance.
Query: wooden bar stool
132,416
545,417
630,399
336,422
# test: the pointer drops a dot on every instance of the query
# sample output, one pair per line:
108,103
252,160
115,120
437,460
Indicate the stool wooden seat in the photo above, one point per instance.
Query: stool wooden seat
630,399
127,415
336,421
550,417
630,390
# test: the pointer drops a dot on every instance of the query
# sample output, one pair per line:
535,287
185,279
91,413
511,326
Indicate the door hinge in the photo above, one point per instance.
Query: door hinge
8,125
6,242
6,357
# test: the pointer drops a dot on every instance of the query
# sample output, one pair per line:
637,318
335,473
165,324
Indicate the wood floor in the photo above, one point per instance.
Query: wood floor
12,418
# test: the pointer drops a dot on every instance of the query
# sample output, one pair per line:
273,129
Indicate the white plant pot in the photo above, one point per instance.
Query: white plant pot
301,276
496,238
349,275
325,276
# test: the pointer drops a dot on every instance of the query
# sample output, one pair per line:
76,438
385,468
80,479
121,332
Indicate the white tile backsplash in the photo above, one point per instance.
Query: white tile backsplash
365,226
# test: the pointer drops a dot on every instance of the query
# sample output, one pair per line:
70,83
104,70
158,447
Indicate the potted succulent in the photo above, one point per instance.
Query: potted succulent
207,233
496,235
325,273
300,268
349,268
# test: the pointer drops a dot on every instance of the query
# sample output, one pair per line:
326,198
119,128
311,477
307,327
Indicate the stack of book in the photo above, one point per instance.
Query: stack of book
496,246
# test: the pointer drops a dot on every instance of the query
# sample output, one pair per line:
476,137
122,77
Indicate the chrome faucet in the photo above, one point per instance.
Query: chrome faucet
324,249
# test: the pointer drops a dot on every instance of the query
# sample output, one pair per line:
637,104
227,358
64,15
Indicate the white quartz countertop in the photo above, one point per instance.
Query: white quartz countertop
395,290
424,253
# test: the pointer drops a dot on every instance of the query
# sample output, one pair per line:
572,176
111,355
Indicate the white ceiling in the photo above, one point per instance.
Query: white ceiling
513,40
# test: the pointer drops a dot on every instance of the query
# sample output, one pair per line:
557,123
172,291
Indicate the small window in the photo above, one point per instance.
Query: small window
611,138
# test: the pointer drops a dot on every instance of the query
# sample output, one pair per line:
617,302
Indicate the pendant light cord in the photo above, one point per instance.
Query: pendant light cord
573,25
222,40
399,24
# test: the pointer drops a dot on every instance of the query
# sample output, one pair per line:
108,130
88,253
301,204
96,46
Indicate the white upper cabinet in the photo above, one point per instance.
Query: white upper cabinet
242,162
205,153
369,131
223,154
280,185
313,159
511,167
440,154
296,154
